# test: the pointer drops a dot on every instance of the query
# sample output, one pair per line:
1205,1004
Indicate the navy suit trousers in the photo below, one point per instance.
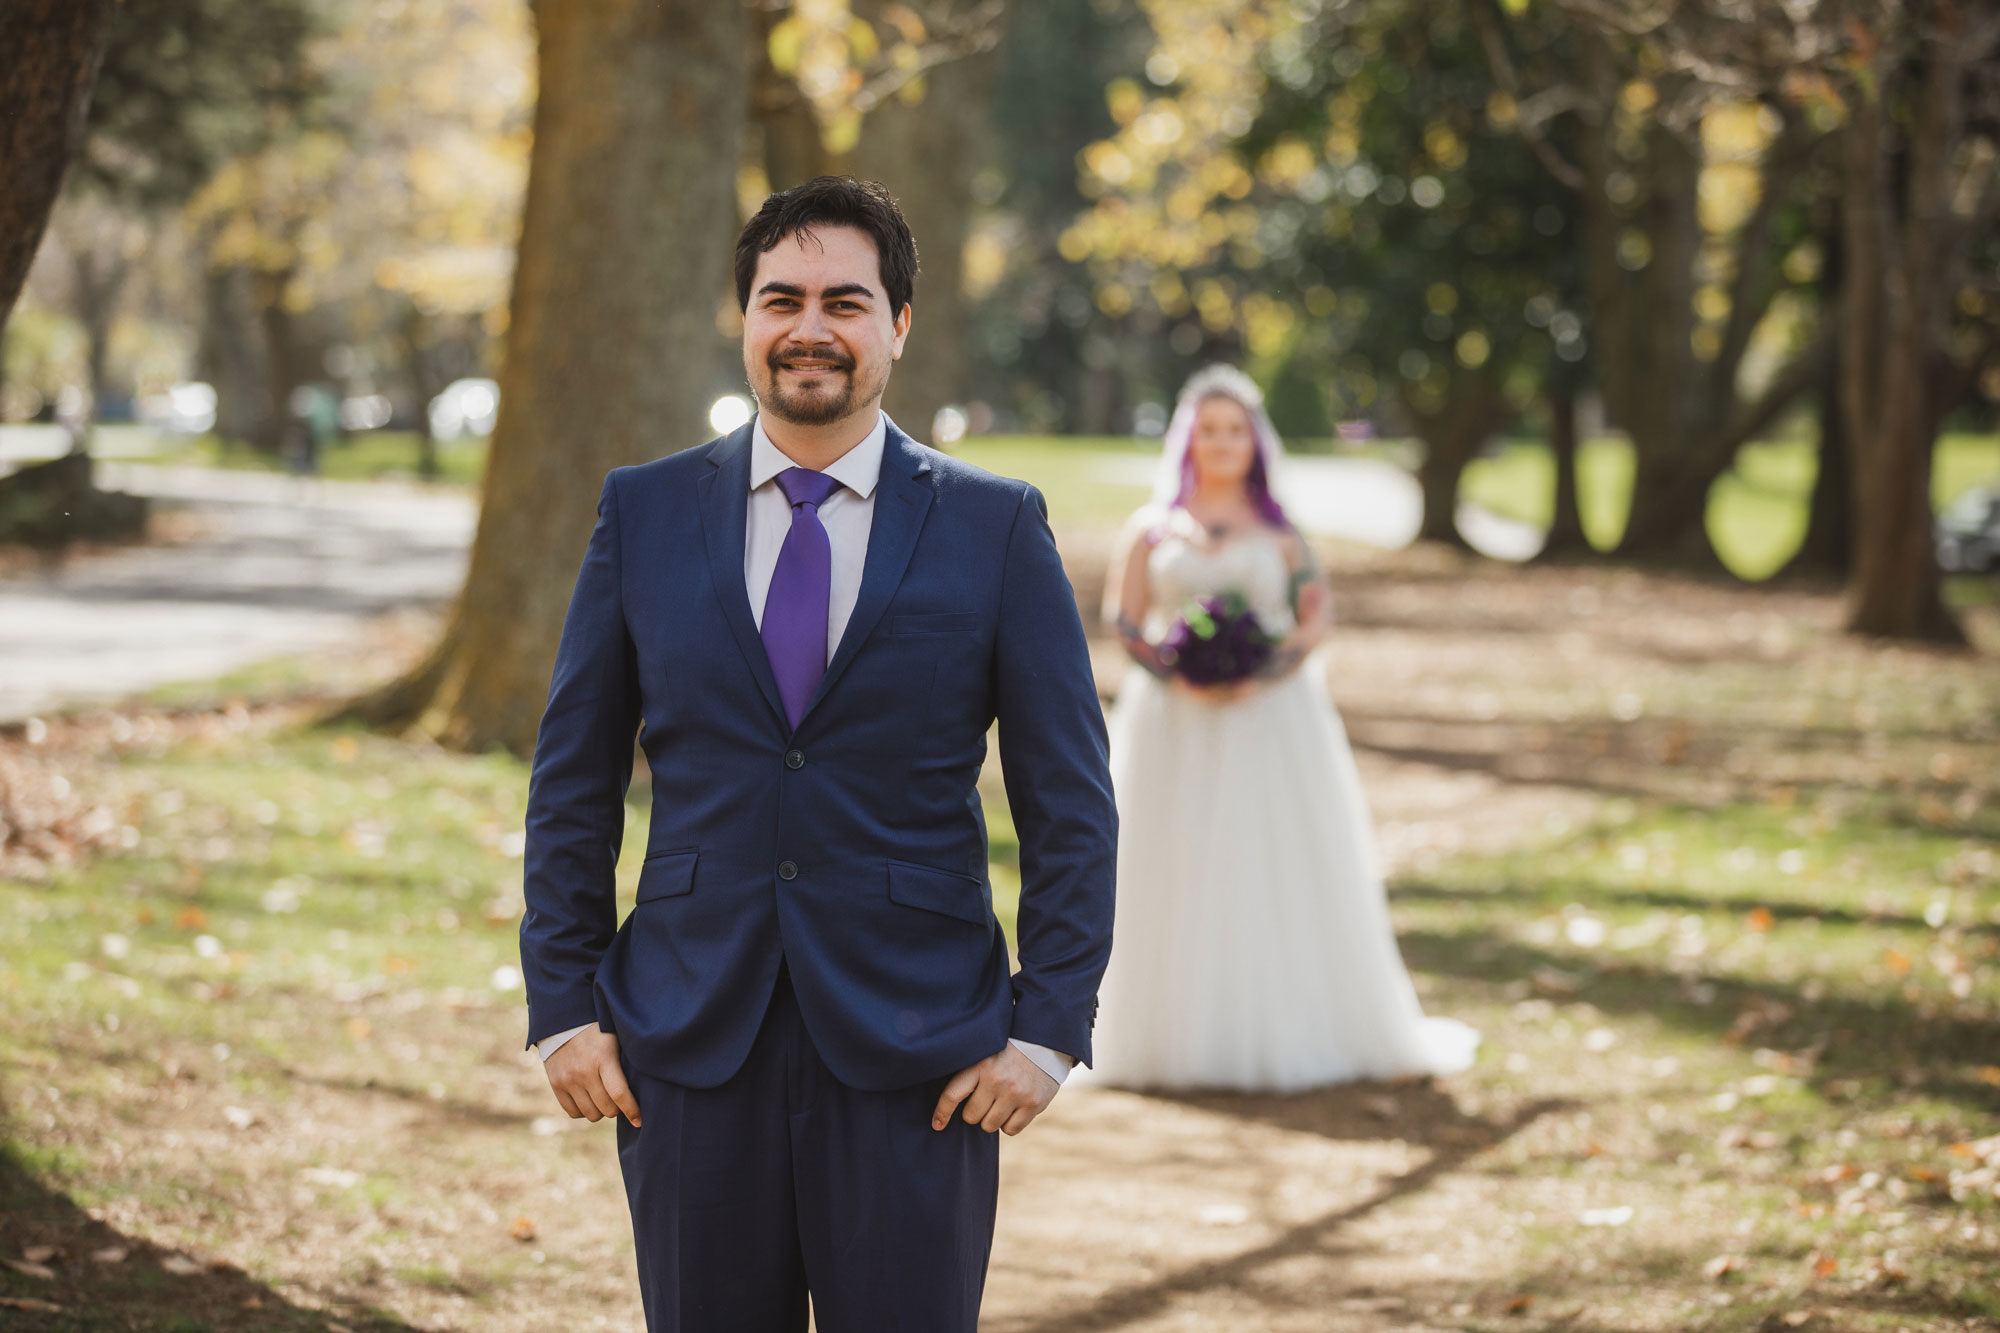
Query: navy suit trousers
783,1185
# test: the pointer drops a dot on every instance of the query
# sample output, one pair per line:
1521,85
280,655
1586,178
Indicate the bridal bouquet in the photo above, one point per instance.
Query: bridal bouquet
1216,640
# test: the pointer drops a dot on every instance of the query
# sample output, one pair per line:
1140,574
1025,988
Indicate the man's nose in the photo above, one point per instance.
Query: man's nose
811,327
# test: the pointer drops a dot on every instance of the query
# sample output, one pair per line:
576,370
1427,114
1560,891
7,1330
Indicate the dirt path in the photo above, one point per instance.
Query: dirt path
416,1175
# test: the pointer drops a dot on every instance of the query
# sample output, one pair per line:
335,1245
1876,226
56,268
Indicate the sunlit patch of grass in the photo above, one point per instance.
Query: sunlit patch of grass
373,455
1756,513
1784,1028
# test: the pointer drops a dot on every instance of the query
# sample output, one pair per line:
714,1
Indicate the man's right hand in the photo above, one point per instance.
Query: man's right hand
587,1078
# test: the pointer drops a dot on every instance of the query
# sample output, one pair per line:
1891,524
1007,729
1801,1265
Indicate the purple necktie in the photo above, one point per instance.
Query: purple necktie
794,627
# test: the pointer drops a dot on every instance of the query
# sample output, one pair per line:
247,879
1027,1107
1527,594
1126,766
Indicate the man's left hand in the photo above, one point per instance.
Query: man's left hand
1005,1092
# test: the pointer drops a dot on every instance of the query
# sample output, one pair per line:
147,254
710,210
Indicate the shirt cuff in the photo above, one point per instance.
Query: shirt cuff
548,1046
1053,1063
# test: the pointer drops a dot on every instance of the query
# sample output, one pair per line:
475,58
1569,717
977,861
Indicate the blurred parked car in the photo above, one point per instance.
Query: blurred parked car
466,407
187,408
1968,532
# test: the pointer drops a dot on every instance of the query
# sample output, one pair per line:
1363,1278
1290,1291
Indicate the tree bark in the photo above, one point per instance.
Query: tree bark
231,356
927,154
1565,539
49,54
1900,265
1828,548
630,213
281,359
96,281
1451,439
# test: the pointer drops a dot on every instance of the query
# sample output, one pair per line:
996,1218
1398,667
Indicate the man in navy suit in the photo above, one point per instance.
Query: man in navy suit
807,1023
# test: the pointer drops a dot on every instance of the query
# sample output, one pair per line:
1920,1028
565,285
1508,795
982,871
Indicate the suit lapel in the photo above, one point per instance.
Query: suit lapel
725,498
903,497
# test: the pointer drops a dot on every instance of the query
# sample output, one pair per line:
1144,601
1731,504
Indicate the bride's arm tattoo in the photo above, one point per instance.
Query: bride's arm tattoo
1134,640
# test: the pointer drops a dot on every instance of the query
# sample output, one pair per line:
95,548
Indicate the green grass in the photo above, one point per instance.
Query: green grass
377,455
1785,1020
1756,513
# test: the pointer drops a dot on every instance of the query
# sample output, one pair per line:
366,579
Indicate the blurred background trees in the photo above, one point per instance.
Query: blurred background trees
1615,233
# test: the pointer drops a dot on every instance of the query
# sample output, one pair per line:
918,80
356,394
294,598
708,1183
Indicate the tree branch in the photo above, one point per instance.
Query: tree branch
1504,73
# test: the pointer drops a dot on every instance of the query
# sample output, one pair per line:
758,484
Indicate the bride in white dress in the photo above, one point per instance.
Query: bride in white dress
1254,946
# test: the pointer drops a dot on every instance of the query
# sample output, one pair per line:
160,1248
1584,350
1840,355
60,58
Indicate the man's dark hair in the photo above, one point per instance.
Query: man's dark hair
833,201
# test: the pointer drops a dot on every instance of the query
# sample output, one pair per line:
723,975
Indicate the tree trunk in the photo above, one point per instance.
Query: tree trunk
1566,539
231,357
417,332
96,281
927,154
630,212
1828,548
281,369
788,137
1451,439
49,54
1894,293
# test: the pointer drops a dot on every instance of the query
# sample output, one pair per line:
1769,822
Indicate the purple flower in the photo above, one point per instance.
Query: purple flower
1217,640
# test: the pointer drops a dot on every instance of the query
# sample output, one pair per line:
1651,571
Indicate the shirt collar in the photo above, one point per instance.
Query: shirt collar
858,469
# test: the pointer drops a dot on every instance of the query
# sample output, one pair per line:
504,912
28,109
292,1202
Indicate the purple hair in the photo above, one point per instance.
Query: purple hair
1174,482
1257,483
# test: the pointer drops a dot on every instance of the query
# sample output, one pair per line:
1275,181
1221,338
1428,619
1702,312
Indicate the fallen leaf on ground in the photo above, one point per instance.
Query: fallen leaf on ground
1823,1264
523,1229
1519,1304
29,1303
1720,1267
110,1254
1760,919
30,1269
1607,1217
1897,961
40,1254
180,1265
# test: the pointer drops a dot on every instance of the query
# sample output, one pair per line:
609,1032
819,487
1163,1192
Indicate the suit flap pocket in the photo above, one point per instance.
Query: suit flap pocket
959,896
946,622
667,875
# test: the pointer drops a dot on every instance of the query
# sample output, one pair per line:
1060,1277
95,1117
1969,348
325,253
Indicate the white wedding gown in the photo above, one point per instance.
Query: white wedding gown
1253,948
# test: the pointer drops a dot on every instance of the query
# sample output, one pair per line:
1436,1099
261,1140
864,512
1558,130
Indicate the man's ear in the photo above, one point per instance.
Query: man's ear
902,327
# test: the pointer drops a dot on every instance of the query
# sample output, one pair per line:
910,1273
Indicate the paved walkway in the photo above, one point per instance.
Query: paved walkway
281,566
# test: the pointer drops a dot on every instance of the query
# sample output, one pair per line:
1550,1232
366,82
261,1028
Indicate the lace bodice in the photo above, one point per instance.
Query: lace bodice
1180,569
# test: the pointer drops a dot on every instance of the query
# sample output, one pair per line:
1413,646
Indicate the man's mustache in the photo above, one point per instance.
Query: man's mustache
787,355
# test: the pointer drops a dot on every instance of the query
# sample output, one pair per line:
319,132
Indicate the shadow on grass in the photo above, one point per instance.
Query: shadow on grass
1852,1038
1733,904
1329,1111
141,1290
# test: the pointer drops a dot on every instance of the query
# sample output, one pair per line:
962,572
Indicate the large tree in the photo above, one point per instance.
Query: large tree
631,206
895,92
1693,190
1921,193
52,52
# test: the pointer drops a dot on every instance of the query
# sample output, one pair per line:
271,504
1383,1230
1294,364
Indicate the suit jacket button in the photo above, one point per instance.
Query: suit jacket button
795,759
788,870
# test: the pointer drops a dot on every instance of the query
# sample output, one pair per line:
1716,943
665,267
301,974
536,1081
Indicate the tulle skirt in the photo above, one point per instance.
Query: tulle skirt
1253,948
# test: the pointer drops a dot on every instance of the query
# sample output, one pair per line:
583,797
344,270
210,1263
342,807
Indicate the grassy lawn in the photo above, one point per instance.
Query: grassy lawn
376,455
1742,1020
1756,514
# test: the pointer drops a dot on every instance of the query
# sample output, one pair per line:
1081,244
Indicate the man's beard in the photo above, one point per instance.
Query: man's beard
810,407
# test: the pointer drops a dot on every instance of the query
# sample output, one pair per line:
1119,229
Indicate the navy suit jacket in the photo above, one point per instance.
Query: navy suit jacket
853,847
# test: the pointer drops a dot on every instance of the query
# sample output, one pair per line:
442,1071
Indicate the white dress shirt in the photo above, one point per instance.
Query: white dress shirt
847,515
